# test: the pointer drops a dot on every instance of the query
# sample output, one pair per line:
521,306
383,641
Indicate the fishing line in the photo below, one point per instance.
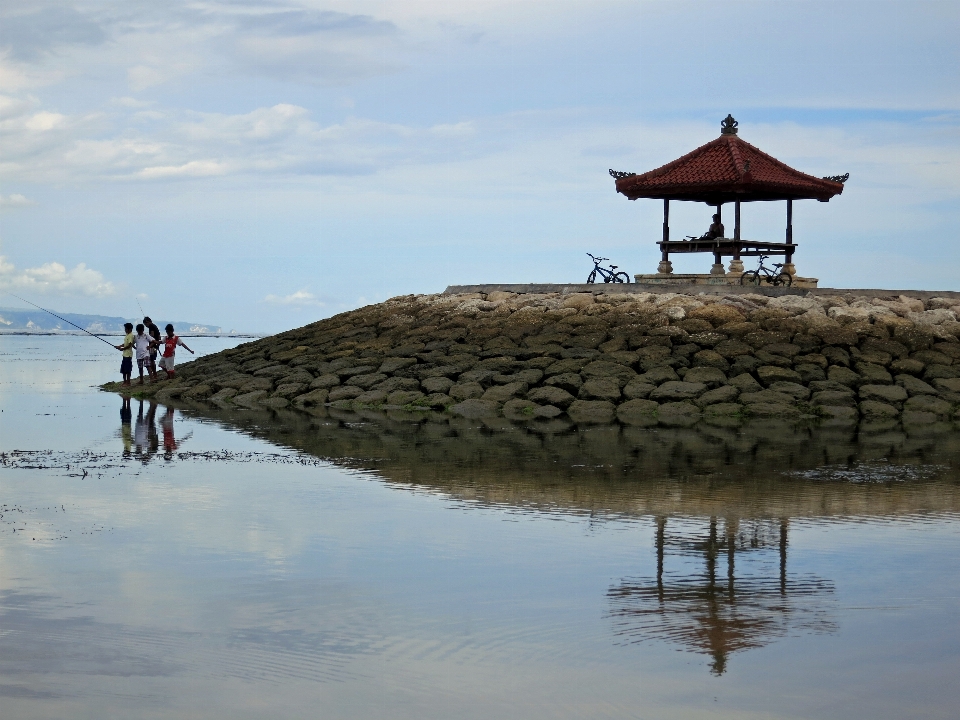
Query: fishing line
65,320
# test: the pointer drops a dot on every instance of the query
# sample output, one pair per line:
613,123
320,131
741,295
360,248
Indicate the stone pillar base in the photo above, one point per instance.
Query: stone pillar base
790,269
717,269
665,267
736,267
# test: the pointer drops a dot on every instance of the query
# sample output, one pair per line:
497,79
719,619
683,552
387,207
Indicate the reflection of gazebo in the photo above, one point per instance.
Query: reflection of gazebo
723,171
715,615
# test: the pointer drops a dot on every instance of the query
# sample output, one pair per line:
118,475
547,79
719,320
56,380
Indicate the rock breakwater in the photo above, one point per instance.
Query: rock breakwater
604,357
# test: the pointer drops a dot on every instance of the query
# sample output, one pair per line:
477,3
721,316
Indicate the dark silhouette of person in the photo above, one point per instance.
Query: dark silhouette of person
716,229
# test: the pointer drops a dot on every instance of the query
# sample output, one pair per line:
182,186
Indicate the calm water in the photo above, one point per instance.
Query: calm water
236,564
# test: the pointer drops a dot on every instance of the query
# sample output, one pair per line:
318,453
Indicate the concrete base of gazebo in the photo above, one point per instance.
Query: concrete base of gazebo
708,279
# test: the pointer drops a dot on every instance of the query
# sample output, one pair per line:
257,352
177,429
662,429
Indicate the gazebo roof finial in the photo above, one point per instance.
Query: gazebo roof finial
728,126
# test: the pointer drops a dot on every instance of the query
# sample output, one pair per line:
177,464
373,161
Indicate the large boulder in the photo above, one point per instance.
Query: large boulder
404,397
722,394
436,384
678,413
571,382
843,376
591,411
465,391
794,390
638,412
502,393
604,369
873,410
551,395
914,385
677,390
890,394
834,398
769,374
344,392
659,375
710,376
602,388
637,389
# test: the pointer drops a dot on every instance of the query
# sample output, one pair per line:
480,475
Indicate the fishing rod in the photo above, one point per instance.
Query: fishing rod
65,320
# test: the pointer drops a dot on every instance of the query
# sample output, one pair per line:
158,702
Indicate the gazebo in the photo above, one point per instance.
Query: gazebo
726,170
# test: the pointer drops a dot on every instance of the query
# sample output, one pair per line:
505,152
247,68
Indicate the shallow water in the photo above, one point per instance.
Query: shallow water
229,563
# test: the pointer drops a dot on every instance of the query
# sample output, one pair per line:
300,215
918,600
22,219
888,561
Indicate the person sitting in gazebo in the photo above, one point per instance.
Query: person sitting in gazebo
715,231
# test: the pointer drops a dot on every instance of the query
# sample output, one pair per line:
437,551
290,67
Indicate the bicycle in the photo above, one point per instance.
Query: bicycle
763,274
609,276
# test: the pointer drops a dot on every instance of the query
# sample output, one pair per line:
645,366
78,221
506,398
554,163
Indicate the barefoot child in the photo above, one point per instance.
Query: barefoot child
170,343
126,365
143,344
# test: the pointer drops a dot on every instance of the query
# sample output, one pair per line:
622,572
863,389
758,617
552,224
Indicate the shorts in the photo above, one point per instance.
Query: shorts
126,366
166,363
142,363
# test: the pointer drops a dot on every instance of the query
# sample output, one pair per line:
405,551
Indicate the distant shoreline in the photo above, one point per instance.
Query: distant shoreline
120,334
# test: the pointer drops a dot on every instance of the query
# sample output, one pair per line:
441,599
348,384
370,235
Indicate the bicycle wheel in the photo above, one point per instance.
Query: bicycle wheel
621,277
750,277
785,279
592,278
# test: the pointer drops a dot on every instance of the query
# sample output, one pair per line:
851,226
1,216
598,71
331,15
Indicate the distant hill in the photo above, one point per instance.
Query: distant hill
17,320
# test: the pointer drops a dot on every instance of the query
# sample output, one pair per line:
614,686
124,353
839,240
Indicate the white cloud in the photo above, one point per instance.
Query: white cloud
15,200
54,278
300,298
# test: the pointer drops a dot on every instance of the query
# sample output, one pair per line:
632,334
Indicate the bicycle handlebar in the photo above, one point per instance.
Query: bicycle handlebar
597,260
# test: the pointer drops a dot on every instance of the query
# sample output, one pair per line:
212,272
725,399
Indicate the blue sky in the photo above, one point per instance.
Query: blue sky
263,164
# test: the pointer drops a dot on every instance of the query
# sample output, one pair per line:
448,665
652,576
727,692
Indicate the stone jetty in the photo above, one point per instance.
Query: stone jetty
605,356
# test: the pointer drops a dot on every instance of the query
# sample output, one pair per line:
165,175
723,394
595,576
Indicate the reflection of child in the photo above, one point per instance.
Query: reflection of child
166,424
126,414
170,343
126,365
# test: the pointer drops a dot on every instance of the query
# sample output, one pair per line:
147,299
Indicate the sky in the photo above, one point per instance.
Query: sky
260,165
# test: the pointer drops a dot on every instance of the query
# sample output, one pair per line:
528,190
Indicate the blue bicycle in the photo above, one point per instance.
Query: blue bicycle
609,276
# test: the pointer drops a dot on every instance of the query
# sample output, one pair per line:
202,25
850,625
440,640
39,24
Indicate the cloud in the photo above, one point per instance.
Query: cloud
55,279
15,200
41,30
300,298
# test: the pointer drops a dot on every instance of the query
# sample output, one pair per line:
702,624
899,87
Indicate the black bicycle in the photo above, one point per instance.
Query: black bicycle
762,274
609,276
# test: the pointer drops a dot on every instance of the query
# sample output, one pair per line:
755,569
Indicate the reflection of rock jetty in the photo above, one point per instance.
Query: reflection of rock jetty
638,357
762,469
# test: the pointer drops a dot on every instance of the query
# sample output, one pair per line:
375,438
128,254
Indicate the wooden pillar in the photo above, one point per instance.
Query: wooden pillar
665,268
666,221
736,226
789,221
788,266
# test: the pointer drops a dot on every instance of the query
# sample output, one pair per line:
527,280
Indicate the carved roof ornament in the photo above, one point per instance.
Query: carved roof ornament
618,175
838,178
728,126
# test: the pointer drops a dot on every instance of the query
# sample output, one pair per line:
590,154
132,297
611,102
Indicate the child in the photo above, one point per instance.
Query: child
126,365
170,343
143,344
154,332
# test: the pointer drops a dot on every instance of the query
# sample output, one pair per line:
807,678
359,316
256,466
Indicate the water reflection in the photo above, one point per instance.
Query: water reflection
722,498
716,613
143,441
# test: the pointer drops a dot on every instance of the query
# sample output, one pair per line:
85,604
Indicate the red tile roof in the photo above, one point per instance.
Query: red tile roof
725,170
